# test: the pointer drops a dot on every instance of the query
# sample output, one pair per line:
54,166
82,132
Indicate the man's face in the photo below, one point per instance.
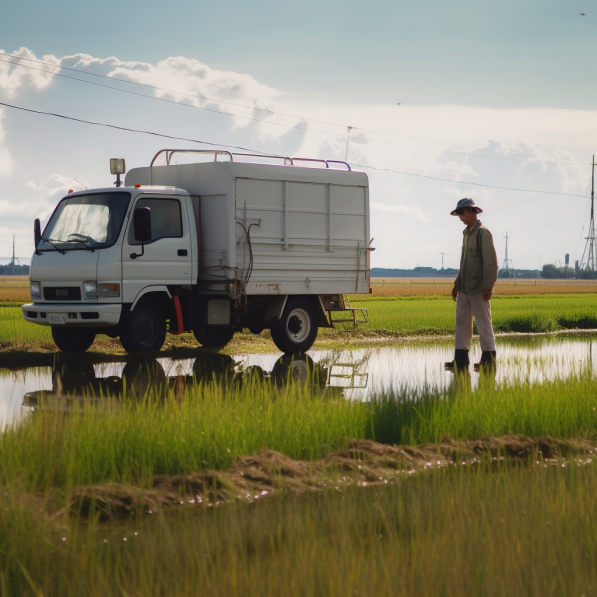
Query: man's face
467,217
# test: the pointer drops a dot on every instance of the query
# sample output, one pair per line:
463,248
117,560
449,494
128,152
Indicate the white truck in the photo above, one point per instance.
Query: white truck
211,247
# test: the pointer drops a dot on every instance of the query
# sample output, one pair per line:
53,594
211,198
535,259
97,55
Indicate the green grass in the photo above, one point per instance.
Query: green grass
474,530
390,315
546,313
211,425
15,332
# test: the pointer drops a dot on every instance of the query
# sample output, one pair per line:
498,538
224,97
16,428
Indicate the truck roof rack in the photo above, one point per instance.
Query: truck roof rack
287,160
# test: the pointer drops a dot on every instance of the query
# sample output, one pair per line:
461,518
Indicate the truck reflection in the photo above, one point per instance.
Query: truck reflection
74,381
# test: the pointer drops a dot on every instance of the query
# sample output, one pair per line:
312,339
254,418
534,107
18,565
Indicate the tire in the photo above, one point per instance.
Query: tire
296,330
144,329
213,337
144,376
72,339
293,368
209,365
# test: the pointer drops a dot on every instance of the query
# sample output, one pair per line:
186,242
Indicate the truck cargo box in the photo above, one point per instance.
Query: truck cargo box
279,229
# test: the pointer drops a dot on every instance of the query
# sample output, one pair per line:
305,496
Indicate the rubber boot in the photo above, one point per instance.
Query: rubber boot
461,360
487,361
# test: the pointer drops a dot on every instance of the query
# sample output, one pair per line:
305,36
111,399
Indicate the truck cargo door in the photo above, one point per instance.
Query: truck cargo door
167,257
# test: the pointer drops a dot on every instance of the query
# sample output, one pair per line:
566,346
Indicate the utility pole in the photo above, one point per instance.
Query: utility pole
442,254
348,131
507,262
589,264
12,263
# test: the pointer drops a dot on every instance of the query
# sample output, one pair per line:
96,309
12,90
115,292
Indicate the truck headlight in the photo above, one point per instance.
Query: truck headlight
90,289
105,290
35,290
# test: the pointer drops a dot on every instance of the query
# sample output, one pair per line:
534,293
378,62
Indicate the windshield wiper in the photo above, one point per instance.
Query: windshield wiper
49,241
81,240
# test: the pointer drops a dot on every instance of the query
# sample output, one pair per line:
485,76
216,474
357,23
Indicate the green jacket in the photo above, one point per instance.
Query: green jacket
478,263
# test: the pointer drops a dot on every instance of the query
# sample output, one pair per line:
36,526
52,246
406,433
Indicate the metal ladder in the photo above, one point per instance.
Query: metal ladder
357,314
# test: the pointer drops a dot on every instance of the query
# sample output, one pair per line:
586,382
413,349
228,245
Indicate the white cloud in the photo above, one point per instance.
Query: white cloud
399,209
15,78
531,149
6,162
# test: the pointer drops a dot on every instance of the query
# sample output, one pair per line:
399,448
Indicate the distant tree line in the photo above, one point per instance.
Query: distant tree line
11,269
417,272
551,272
548,272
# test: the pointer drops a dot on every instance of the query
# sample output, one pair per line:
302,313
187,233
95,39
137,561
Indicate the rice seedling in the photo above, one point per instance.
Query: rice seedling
210,425
487,529
396,287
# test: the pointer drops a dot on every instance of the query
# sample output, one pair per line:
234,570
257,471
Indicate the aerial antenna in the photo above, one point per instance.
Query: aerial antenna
589,252
349,130
14,259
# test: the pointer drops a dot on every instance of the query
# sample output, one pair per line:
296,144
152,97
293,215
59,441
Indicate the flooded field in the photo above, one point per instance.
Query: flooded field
355,374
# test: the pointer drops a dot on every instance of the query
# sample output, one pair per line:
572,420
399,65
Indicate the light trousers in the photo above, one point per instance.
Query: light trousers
467,307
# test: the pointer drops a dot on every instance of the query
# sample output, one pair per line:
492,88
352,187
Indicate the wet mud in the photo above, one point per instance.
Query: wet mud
361,464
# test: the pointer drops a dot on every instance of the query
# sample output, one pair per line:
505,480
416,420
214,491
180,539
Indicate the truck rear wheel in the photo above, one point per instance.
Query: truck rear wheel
296,330
213,337
144,329
72,339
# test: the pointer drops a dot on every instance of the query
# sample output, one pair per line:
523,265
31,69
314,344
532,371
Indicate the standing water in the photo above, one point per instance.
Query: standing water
358,374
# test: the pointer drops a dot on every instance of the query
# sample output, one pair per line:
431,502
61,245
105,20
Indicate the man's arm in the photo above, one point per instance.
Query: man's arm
490,263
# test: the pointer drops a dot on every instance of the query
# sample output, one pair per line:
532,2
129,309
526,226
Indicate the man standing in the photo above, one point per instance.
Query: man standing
473,288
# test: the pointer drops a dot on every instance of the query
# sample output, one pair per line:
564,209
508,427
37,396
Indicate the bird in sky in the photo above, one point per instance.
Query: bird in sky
582,14
399,103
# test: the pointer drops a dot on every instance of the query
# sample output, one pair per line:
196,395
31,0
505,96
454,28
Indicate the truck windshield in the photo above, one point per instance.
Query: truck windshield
85,222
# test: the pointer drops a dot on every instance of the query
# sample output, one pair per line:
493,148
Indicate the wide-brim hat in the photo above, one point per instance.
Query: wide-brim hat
466,203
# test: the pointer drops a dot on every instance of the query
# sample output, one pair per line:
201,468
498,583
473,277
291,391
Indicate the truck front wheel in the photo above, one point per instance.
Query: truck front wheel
72,339
296,330
144,329
213,337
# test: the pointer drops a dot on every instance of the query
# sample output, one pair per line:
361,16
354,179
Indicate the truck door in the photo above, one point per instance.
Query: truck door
167,257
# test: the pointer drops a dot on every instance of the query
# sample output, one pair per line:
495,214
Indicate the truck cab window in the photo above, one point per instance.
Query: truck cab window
166,220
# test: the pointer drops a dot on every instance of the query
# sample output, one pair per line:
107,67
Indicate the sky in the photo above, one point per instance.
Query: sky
440,95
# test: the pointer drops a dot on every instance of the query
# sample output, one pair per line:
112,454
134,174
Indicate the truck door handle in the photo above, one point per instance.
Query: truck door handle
182,252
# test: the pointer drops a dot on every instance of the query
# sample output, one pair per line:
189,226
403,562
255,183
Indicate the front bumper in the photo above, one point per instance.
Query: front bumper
92,315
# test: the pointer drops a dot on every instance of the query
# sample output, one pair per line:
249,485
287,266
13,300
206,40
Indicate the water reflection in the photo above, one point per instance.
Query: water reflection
415,367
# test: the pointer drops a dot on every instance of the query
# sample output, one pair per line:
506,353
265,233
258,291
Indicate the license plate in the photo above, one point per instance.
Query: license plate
57,318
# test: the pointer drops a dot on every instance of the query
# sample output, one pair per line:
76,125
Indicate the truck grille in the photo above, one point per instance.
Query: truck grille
55,293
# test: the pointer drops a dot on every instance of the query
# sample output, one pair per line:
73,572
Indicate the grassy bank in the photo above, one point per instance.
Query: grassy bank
392,316
475,530
210,426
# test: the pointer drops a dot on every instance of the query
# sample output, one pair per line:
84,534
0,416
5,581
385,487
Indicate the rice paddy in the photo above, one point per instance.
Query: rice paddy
234,480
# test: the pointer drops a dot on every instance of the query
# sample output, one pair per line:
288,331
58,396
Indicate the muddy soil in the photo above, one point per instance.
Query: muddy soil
362,463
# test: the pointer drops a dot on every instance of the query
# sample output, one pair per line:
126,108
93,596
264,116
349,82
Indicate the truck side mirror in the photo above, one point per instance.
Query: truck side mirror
36,232
142,224
141,228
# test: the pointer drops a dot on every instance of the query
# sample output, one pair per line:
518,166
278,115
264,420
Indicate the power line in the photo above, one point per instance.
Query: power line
213,110
121,128
477,184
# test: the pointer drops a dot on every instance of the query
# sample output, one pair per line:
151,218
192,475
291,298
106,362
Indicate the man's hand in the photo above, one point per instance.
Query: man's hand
454,293
487,294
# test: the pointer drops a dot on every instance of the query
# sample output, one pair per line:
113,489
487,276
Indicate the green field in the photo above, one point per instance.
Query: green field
493,526
396,316
543,313
243,486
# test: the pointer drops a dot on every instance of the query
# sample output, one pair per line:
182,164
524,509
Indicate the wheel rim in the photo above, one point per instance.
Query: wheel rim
300,371
298,325
145,328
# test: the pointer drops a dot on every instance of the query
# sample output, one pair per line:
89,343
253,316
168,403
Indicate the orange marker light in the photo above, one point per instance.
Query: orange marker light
70,190
137,186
